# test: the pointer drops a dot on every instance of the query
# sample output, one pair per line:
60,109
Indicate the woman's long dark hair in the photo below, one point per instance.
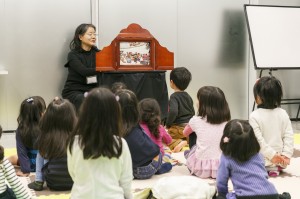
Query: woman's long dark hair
80,30
149,110
56,126
31,111
99,125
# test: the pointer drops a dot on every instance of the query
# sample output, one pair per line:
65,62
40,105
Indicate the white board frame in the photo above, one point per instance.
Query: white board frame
274,33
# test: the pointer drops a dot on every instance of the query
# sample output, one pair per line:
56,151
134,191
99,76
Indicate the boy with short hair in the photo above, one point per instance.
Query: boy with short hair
181,108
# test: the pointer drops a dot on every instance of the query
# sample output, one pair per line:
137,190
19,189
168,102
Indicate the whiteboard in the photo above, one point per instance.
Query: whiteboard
274,33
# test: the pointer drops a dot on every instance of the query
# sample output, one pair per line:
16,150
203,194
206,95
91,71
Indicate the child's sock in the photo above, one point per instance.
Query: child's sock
36,185
273,173
164,168
280,168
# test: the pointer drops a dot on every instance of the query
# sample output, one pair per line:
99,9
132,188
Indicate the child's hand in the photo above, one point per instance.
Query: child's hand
277,159
286,160
21,174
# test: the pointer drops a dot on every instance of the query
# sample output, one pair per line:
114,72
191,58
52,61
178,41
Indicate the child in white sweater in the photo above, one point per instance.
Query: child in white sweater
272,125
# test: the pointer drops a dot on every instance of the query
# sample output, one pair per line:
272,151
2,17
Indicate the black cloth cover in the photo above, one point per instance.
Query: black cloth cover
146,84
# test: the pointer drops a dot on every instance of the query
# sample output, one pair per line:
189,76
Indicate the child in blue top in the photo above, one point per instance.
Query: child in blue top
242,163
145,154
28,130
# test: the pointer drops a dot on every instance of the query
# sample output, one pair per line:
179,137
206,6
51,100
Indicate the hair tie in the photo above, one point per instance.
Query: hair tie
117,98
225,139
29,100
56,98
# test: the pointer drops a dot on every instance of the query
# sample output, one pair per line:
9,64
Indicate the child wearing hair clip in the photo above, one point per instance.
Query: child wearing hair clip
272,125
28,130
244,165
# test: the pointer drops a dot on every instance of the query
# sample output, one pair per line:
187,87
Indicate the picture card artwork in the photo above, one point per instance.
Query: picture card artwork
134,53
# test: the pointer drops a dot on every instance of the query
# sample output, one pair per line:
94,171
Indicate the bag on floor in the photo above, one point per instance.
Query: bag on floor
182,187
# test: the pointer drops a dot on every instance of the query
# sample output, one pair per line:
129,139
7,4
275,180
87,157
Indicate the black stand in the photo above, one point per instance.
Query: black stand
283,101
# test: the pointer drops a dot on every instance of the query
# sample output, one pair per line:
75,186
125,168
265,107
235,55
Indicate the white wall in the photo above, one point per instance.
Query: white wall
208,38
213,44
288,78
35,39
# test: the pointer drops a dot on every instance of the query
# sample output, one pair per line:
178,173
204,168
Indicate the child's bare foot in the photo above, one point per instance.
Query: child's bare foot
179,146
21,174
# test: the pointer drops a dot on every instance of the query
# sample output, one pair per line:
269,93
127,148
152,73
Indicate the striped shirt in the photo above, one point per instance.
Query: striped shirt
7,172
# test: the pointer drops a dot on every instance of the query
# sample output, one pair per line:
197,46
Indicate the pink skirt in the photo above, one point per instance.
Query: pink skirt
203,168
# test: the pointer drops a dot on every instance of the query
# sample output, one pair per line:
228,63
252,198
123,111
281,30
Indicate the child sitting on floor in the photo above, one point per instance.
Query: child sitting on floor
244,165
7,173
213,113
56,125
99,159
150,121
28,130
145,154
272,125
181,108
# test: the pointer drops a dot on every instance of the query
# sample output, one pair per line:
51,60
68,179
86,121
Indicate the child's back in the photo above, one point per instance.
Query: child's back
204,158
56,125
181,108
272,125
277,135
150,121
145,154
208,139
242,163
99,160
91,176
249,178
8,174
142,148
28,130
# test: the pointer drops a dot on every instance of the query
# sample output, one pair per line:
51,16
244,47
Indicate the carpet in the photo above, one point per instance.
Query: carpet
288,181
